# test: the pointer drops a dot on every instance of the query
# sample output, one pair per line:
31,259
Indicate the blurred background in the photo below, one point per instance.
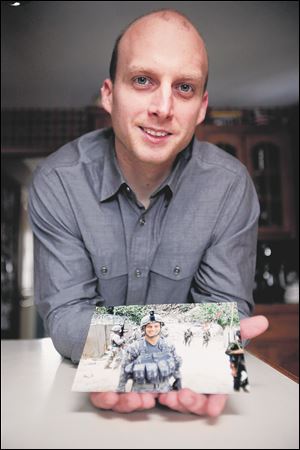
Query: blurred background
55,56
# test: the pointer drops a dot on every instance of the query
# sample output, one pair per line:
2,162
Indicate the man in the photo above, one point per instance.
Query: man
206,335
135,335
235,352
150,361
144,213
117,342
239,373
188,334
238,366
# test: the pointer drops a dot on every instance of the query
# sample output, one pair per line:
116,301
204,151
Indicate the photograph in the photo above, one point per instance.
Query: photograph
161,348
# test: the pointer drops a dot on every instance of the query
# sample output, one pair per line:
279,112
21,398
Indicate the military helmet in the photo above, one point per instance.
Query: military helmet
151,317
116,328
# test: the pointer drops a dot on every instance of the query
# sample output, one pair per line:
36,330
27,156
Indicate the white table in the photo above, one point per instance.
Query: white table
39,410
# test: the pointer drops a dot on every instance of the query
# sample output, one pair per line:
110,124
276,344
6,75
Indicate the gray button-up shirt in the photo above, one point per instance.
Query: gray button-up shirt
94,243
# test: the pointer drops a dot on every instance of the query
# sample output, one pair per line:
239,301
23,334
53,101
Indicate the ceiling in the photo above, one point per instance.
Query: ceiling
56,54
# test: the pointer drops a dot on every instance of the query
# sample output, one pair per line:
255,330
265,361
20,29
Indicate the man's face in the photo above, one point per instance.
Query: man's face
157,98
152,329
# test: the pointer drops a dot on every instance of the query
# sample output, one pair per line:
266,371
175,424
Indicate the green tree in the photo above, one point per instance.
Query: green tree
133,312
224,314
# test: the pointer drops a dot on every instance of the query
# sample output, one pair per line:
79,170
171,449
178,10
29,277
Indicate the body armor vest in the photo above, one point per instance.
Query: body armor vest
152,367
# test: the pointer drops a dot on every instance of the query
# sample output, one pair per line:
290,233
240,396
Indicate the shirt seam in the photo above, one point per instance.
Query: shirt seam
229,190
236,172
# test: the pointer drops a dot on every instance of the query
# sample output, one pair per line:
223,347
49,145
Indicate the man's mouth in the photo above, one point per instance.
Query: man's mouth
154,133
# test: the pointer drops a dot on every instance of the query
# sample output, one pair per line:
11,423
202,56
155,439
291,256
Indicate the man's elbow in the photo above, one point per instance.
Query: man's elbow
68,336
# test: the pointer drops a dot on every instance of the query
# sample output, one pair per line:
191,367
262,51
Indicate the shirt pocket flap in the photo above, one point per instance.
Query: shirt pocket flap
175,267
108,267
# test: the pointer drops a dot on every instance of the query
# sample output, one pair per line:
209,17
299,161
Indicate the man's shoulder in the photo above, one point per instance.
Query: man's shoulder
85,149
136,346
210,155
164,344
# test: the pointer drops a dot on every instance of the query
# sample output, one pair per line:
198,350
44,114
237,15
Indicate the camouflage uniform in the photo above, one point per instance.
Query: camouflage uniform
136,334
151,367
237,364
206,337
117,342
188,334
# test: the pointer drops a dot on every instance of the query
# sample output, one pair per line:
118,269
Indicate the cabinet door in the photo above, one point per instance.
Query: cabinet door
269,165
231,143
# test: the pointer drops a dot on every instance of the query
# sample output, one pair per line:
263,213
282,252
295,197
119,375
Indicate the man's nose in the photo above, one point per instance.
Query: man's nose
161,104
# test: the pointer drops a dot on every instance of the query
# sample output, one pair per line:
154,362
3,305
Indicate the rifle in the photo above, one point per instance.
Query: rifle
122,329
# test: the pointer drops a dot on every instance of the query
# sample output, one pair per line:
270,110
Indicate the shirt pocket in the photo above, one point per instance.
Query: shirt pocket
171,277
112,274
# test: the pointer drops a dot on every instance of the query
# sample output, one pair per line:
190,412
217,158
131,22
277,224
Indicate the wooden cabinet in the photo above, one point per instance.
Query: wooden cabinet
229,139
279,345
98,118
266,153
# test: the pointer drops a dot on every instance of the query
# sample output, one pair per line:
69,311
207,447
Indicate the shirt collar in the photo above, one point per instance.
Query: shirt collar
179,164
113,178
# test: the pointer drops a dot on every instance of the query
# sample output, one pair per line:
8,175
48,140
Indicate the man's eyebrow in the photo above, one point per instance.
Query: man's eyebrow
140,69
192,76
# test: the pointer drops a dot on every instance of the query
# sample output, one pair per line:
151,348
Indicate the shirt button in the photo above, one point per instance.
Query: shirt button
177,270
128,189
142,221
104,270
138,273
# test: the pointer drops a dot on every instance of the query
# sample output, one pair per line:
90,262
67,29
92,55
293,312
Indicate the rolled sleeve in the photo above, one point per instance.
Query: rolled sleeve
227,269
65,283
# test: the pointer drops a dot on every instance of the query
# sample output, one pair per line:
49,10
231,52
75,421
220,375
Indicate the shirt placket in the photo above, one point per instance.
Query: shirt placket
138,259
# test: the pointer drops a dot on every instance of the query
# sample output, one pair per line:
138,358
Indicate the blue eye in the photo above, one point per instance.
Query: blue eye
186,88
141,80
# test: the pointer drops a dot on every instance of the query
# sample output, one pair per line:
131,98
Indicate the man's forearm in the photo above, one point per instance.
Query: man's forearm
68,327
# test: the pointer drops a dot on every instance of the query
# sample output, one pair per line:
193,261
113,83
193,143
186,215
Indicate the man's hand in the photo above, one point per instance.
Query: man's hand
211,405
184,400
123,403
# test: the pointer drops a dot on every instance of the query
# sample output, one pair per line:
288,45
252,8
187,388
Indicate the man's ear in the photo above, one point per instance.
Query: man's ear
203,108
107,95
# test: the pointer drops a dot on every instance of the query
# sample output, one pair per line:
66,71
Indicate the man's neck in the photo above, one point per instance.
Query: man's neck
143,178
152,340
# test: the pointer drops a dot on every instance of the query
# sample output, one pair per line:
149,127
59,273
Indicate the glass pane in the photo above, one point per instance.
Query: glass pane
266,177
265,156
260,184
276,213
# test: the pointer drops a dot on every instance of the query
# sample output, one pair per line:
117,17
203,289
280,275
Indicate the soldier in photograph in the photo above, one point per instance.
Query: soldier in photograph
239,373
135,335
237,364
188,334
151,362
206,336
117,342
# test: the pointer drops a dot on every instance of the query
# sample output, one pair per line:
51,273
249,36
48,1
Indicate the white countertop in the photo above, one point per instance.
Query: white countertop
39,410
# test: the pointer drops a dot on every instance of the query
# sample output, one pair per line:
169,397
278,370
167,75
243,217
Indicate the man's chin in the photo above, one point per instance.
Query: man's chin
153,336
156,154
157,158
